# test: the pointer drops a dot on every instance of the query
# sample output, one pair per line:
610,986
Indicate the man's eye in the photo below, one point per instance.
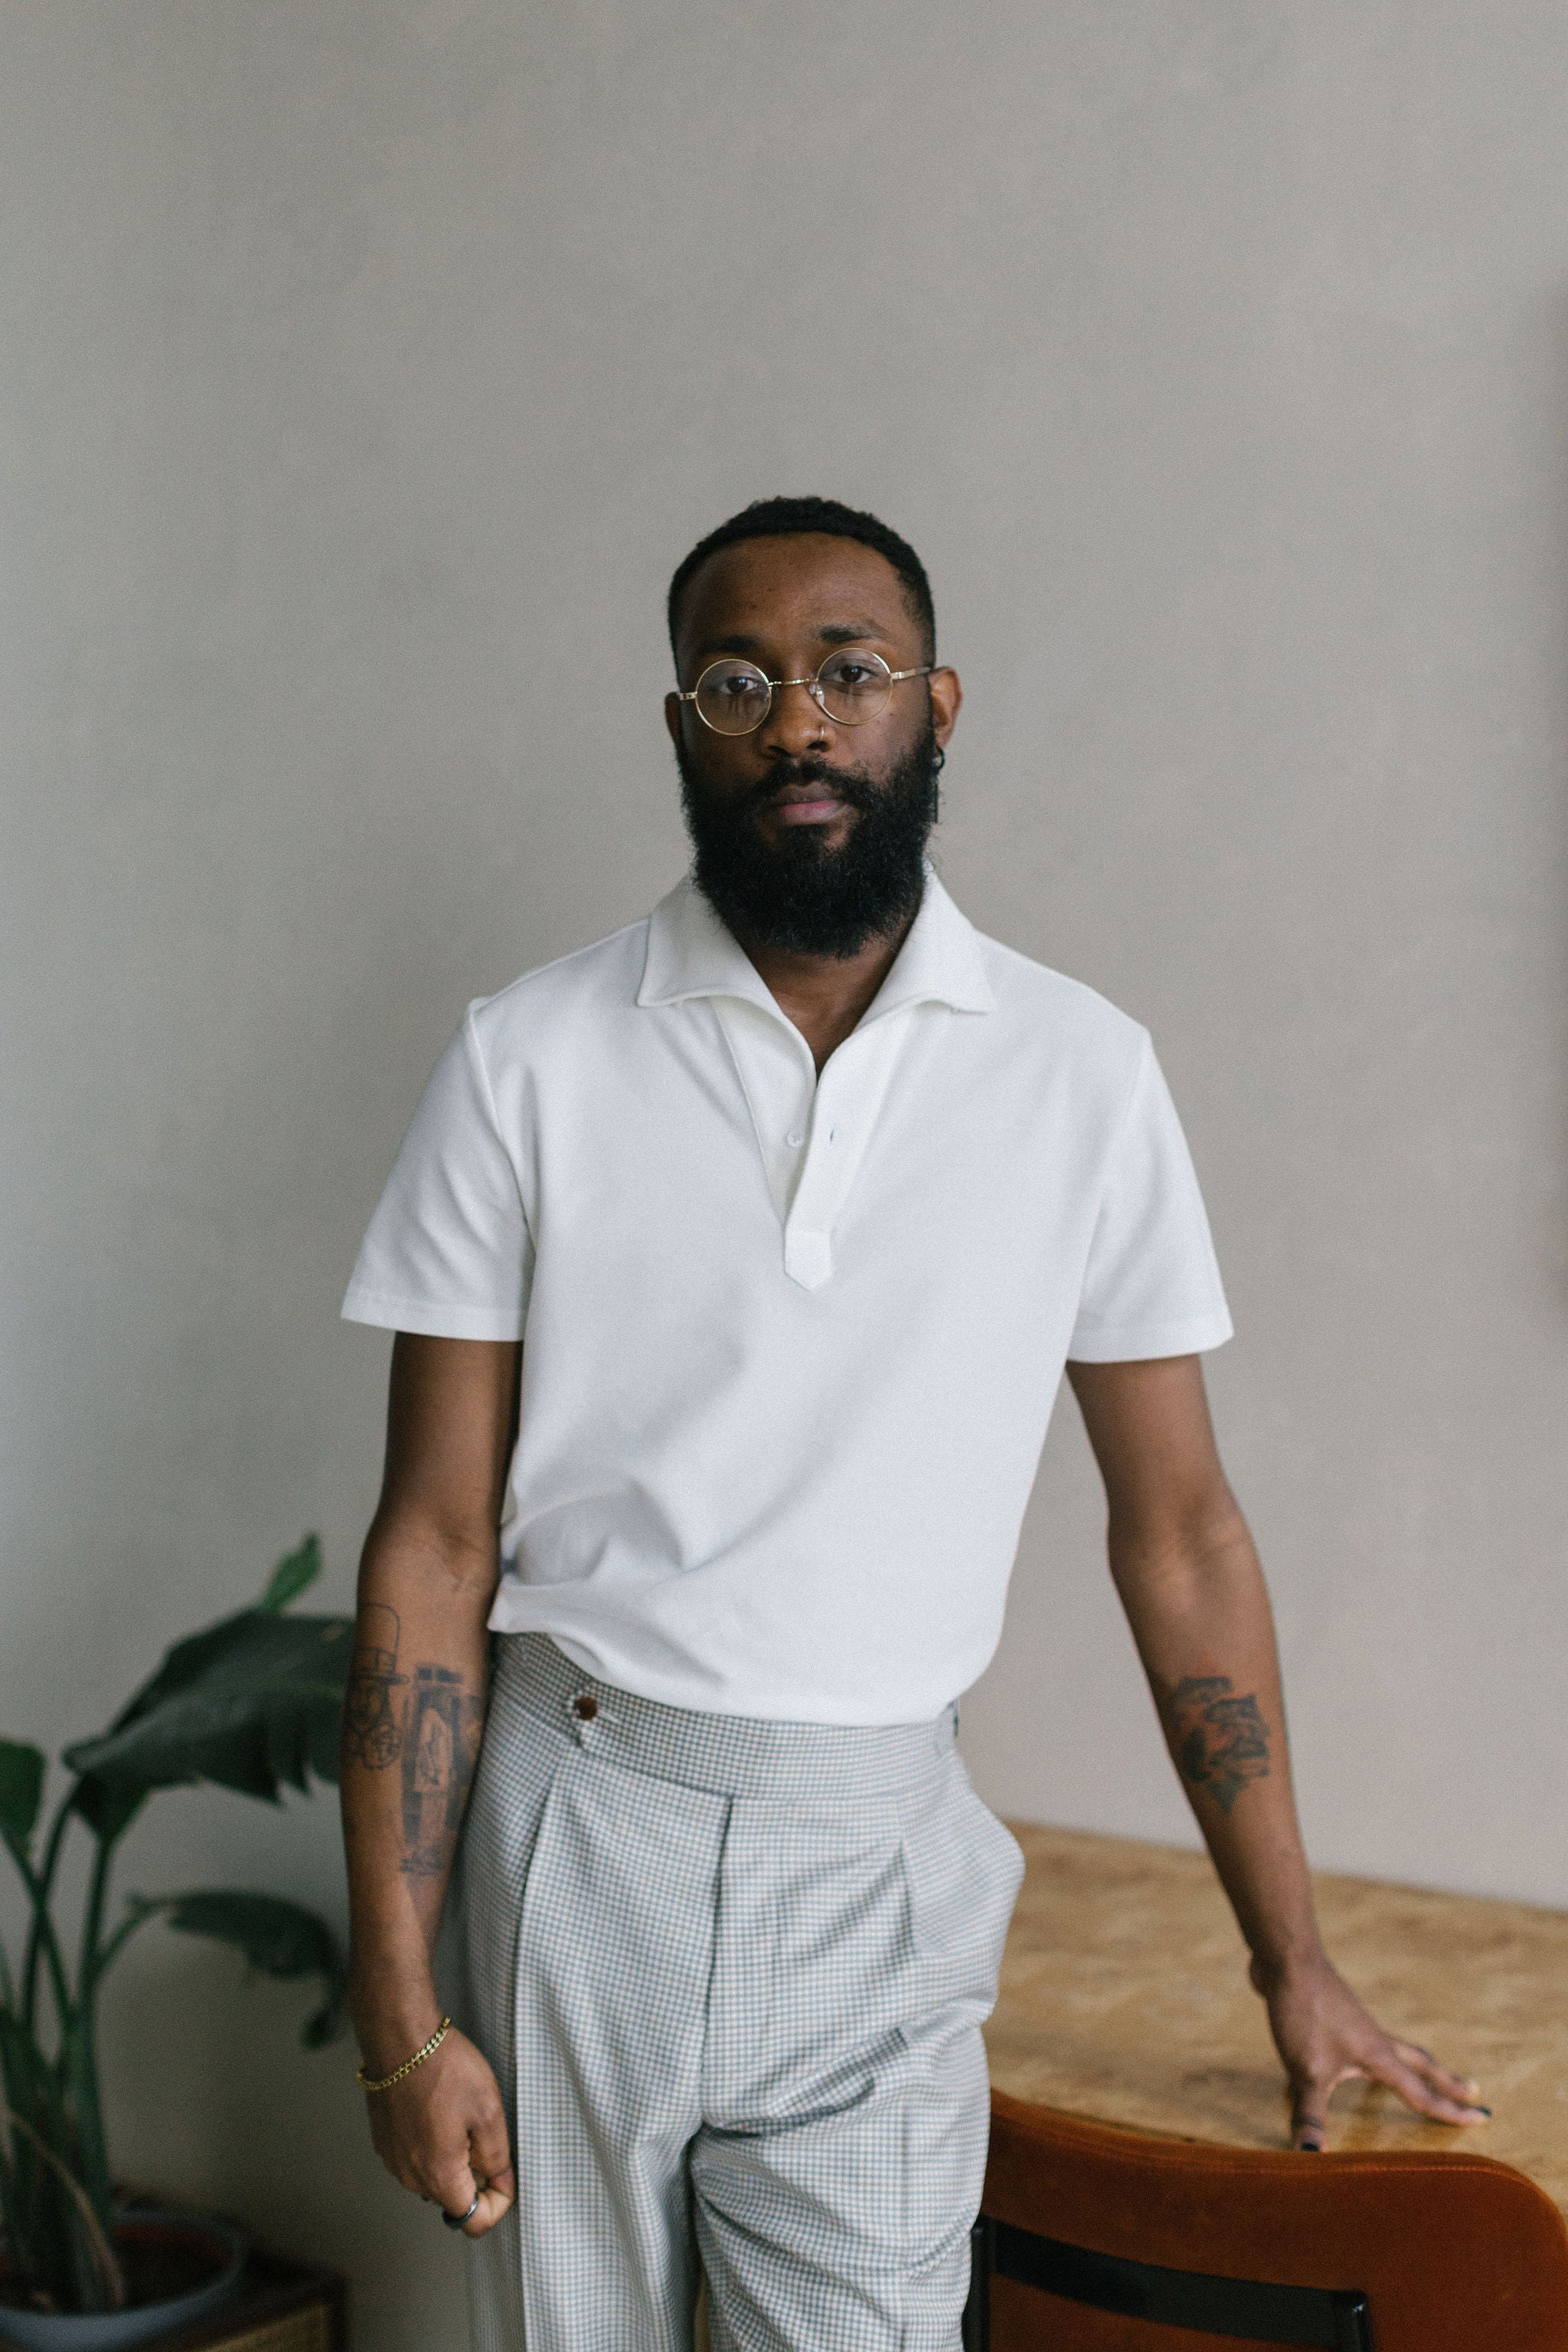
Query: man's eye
848,671
736,685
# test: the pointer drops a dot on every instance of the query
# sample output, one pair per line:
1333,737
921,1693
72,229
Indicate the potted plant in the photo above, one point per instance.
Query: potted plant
251,1704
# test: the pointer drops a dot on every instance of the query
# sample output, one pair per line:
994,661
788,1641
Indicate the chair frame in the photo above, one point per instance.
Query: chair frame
1335,2319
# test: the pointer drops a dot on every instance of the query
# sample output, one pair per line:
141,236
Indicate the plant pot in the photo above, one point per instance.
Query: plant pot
214,2251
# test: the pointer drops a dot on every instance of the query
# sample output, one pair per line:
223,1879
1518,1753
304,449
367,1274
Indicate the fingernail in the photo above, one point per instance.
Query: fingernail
1311,2147
1483,2111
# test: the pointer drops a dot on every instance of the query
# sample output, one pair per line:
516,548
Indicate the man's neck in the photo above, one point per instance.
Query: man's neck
826,996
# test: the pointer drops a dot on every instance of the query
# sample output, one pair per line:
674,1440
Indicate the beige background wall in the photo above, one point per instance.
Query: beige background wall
362,364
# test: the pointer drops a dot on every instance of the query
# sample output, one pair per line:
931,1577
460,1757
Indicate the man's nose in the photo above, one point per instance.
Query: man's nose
795,724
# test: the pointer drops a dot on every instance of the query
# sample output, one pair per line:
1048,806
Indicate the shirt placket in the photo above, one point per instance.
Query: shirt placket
845,1107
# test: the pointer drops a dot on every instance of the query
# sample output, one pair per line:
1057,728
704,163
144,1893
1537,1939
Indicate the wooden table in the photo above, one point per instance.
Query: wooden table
1125,1996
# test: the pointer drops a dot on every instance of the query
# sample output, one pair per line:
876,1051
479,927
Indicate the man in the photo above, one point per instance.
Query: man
797,1196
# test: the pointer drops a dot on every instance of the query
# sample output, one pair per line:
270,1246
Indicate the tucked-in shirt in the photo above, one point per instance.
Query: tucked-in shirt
790,1342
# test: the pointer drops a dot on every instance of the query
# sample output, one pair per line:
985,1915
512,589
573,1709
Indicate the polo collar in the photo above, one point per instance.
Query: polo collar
691,953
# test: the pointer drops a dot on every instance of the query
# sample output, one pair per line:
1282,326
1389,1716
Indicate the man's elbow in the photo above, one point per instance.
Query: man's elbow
1186,1556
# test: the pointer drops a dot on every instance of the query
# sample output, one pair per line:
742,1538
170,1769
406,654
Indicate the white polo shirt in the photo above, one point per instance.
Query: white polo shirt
790,1343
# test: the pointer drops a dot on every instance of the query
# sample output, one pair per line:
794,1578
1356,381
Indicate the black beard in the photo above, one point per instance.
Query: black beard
802,897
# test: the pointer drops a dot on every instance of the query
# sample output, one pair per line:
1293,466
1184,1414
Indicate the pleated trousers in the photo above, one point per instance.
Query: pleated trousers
730,1975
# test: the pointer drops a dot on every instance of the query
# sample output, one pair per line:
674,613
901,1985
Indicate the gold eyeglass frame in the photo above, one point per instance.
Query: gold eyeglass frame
812,685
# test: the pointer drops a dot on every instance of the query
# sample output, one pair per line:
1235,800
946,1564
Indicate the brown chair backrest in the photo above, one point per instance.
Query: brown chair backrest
1453,2253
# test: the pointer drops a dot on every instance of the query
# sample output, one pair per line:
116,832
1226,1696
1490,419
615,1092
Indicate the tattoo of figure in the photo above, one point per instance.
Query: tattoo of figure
440,1748
1221,1743
371,1734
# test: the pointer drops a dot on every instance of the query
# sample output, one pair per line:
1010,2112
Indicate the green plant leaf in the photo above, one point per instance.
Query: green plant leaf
279,1937
22,1770
250,1703
107,1808
291,1575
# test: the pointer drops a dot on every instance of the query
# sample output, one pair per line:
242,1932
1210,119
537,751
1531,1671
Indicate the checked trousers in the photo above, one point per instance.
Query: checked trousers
730,1975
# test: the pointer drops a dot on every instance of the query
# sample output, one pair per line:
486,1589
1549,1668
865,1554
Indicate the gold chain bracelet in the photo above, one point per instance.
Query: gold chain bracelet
384,2082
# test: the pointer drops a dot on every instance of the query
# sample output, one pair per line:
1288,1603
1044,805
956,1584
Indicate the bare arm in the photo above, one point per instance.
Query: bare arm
1189,1580
411,1736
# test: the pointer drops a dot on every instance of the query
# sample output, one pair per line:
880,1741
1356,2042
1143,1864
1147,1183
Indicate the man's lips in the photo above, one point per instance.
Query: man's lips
806,804
815,812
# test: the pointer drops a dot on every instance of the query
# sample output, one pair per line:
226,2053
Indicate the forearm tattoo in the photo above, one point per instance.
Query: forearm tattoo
440,1748
372,1734
1220,1742
431,1724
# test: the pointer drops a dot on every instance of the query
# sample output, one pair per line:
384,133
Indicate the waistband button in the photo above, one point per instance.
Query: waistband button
585,1706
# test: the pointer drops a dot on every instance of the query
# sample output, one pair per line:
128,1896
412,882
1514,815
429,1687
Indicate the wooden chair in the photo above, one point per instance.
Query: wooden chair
1093,2239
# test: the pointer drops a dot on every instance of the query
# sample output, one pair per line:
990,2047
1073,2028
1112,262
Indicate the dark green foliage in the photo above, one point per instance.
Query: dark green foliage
107,1808
21,1791
277,1937
251,1704
291,1575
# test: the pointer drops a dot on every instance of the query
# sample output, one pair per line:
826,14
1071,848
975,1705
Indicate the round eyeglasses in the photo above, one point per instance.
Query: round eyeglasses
853,685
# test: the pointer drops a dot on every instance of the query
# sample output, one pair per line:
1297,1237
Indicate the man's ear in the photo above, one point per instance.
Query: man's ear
673,718
946,696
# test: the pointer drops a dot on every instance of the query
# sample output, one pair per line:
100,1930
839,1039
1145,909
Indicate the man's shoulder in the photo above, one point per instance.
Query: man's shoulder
587,984
1041,1003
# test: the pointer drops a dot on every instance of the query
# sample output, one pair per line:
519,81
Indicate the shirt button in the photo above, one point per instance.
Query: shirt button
585,1708
795,1139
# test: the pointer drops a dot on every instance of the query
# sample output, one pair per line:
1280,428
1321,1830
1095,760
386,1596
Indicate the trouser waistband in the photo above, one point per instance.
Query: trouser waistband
728,1755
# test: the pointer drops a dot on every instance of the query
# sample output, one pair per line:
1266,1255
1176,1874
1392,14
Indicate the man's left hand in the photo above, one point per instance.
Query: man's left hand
1326,2038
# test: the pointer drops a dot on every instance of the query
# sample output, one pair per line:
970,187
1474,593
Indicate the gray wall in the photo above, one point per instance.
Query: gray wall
362,362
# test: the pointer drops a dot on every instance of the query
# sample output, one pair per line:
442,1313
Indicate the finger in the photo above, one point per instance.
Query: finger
1310,2096
490,2149
1309,2115
1461,2088
494,2201
1417,2092
455,2187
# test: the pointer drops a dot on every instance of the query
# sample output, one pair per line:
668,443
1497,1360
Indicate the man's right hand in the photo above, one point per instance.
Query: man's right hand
442,2133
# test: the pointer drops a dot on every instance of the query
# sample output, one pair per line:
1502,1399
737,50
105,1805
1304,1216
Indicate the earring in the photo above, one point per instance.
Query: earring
937,764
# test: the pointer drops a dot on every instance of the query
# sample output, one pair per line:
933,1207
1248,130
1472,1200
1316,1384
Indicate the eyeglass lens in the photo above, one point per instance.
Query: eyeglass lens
852,686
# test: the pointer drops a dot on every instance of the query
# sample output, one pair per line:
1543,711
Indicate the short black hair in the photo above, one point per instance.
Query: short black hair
788,519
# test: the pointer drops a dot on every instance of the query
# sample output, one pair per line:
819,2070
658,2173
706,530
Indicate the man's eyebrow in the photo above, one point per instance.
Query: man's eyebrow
735,641
849,632
831,633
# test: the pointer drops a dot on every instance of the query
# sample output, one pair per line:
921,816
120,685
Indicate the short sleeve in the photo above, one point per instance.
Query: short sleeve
449,1250
1151,1285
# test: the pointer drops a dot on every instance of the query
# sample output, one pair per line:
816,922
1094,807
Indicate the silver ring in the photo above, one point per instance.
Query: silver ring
459,2220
